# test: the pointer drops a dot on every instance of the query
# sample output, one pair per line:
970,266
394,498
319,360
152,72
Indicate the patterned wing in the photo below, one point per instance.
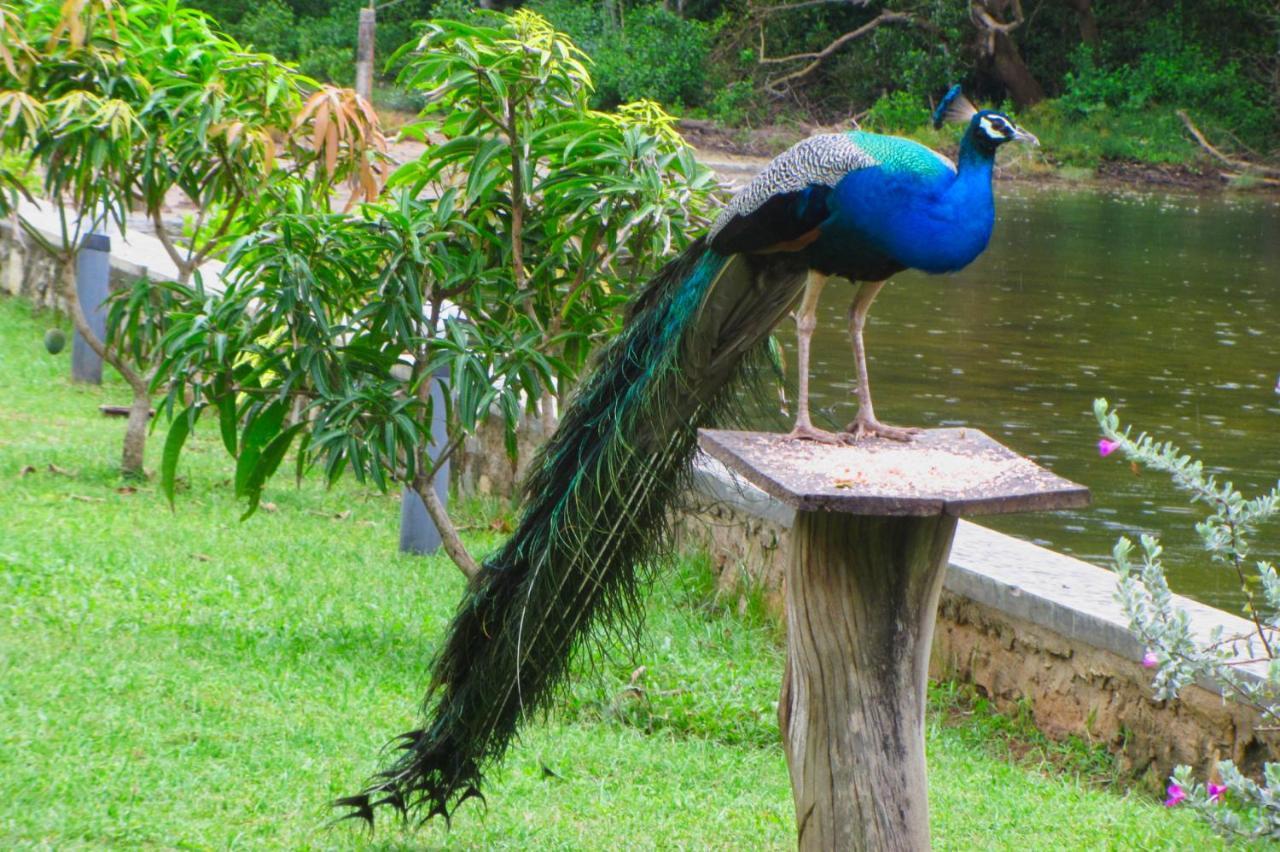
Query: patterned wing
784,204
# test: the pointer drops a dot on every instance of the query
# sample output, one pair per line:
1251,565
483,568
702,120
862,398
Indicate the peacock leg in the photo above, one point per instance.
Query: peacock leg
865,424
806,322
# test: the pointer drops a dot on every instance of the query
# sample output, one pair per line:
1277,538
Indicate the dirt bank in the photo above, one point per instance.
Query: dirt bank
738,153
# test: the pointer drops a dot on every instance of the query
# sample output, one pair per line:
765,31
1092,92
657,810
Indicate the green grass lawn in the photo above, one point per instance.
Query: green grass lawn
182,679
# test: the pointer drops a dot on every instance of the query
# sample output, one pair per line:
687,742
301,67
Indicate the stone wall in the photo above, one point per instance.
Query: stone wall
25,268
1024,625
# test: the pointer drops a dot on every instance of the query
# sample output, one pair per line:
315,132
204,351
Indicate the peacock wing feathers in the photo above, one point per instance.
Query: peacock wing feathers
787,201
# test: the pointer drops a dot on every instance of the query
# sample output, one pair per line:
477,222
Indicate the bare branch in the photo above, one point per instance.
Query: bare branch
764,11
983,17
981,13
448,532
883,18
1204,143
166,241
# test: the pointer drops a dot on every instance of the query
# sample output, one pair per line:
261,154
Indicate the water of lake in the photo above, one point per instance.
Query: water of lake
1167,306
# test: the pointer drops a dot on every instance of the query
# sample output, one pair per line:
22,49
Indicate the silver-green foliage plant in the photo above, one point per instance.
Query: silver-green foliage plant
1245,666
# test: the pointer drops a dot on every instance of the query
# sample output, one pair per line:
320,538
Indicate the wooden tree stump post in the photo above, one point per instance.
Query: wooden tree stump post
873,530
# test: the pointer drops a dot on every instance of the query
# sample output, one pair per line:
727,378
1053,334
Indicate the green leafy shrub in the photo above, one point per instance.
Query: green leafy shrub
269,27
1172,72
500,256
898,111
651,54
735,104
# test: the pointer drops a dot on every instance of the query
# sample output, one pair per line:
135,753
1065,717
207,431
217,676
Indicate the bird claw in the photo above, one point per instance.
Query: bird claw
820,436
869,427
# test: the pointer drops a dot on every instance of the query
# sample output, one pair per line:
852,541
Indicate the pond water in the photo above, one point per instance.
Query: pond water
1167,306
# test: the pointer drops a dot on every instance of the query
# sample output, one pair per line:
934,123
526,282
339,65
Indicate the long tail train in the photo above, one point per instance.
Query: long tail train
595,508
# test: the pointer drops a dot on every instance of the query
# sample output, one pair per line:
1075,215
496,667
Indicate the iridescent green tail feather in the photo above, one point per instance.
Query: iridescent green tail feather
595,510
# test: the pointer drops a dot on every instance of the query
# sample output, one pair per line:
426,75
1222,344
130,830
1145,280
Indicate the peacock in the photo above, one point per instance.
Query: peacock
596,501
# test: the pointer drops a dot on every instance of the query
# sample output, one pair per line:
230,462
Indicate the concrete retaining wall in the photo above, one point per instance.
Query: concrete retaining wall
26,269
1023,624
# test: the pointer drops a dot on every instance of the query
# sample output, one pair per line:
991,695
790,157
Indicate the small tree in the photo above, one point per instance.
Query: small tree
77,96
579,205
1246,667
498,258
119,111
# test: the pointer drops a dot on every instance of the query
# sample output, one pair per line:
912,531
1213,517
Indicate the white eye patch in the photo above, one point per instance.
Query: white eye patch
996,127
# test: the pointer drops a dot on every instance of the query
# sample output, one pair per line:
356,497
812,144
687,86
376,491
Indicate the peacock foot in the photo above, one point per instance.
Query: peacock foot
869,427
821,436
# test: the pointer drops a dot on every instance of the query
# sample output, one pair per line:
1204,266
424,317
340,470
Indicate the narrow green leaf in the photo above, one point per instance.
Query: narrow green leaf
264,426
227,421
178,432
267,463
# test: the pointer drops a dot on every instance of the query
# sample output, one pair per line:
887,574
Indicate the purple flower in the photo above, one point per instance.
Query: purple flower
1176,795
1106,446
1216,791
1150,660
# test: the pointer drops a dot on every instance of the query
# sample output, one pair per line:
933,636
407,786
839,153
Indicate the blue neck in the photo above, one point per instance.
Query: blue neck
976,161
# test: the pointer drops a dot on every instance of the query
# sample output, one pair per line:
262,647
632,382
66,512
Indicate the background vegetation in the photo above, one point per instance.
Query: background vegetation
1106,78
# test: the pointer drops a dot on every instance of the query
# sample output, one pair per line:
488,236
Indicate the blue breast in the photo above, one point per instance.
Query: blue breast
910,211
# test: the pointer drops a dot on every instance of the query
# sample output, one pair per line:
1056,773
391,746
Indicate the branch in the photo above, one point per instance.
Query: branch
424,487
764,11
213,241
163,235
885,17
983,17
424,482
985,21
1218,155
81,323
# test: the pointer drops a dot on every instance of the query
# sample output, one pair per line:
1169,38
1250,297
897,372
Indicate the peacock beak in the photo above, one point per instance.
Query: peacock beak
1020,135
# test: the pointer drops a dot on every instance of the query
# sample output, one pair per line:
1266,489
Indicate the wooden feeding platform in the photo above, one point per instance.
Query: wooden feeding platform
870,543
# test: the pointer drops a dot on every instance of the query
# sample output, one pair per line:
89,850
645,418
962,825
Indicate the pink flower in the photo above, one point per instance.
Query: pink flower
1150,660
1216,791
1176,795
1106,446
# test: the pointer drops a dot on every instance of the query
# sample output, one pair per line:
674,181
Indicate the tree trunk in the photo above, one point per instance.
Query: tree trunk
135,435
1089,33
1023,87
547,413
425,488
364,53
996,21
862,595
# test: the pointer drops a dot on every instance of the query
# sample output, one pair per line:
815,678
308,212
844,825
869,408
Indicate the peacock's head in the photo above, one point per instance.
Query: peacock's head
991,128
988,129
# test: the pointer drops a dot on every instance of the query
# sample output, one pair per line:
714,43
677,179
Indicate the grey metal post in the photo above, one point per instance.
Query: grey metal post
93,276
418,533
